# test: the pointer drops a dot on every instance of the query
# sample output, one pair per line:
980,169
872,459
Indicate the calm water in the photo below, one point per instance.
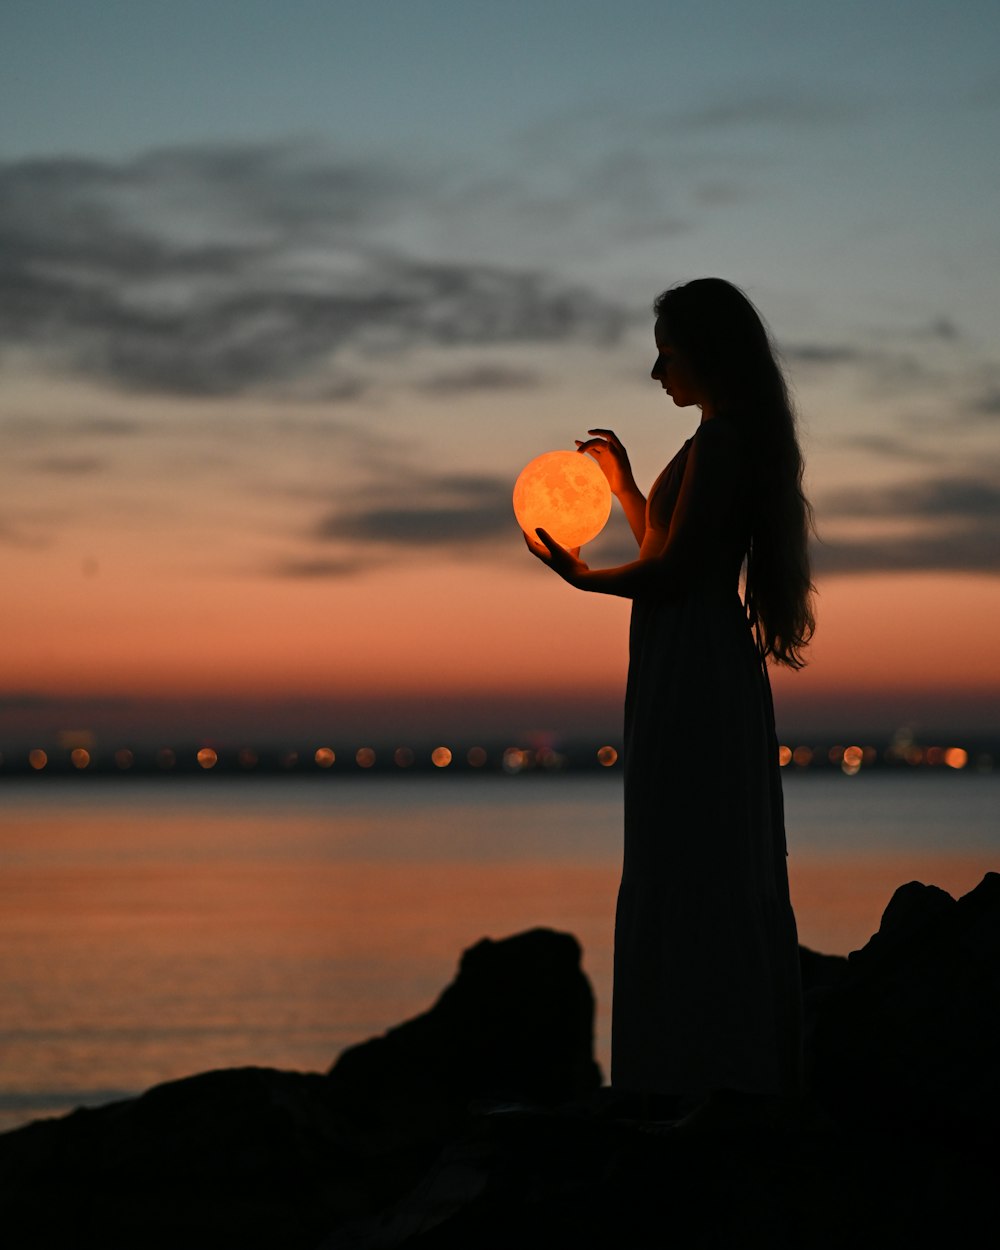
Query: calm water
153,929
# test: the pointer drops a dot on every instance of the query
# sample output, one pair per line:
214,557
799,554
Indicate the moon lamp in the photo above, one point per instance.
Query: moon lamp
564,493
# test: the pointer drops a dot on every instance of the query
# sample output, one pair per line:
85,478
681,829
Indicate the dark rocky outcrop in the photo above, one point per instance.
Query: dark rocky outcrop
911,1035
257,1157
516,1023
478,1124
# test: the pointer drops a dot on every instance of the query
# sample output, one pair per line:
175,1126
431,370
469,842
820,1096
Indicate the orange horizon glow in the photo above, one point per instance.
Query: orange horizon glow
432,634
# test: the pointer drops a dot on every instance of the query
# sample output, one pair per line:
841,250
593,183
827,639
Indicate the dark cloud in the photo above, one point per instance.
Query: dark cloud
108,427
967,549
823,354
895,448
945,329
956,526
482,377
437,511
69,466
318,569
988,403
785,107
958,497
217,271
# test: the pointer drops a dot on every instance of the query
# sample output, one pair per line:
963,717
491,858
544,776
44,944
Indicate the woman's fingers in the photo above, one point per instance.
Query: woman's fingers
610,435
534,546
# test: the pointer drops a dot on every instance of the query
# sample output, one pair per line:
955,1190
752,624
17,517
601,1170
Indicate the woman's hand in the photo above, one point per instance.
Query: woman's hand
612,459
561,560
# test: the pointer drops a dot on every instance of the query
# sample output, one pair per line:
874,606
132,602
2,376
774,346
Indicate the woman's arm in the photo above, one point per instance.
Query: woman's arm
612,459
702,516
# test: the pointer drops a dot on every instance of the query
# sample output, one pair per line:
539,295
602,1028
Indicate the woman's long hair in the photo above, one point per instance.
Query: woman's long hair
725,342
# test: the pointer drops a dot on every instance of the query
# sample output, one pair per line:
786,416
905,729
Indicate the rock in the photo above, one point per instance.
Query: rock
256,1157
910,909
912,1033
478,1124
515,1024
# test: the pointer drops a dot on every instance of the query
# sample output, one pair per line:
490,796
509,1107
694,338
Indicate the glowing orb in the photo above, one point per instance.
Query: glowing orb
564,493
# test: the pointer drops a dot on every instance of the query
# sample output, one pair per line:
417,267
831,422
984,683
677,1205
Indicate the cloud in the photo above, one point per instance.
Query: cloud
988,403
960,497
955,526
481,377
779,106
434,511
968,549
896,448
69,466
318,569
225,270
823,354
944,328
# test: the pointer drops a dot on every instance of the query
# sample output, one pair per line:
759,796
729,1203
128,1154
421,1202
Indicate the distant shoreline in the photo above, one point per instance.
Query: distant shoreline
62,759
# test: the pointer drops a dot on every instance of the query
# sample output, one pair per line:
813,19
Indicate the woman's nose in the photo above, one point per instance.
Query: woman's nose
657,370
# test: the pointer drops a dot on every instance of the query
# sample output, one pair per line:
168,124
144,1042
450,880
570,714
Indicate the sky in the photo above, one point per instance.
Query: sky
291,294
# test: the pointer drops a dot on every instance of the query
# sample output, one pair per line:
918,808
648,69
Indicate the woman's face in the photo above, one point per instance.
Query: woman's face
673,372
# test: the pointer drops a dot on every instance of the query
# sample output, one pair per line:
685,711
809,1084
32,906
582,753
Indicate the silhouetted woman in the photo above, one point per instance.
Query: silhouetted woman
706,991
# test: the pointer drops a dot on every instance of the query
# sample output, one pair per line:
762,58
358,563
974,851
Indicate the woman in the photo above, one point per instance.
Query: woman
706,992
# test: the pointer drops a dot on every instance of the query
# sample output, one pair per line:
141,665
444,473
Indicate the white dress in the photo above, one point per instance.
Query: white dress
706,989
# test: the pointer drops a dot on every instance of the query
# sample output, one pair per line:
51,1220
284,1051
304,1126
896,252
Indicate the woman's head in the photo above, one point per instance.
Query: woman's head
728,360
721,338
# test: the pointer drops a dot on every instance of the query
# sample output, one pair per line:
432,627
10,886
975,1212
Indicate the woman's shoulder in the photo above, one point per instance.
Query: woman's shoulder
721,430
719,438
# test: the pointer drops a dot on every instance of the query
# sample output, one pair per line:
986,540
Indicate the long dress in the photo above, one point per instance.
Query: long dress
706,977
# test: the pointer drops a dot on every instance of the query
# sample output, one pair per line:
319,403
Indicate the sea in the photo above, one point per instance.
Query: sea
153,928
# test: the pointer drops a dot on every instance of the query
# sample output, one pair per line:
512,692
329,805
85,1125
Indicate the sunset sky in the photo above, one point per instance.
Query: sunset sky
291,294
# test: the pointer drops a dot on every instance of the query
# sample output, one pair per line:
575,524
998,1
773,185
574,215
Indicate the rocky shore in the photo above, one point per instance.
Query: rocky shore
481,1123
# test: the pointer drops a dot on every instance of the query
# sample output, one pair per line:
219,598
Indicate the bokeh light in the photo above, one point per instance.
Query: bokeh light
80,758
37,759
784,756
476,757
607,757
364,757
441,757
514,759
403,757
124,758
956,757
325,757
851,760
207,758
